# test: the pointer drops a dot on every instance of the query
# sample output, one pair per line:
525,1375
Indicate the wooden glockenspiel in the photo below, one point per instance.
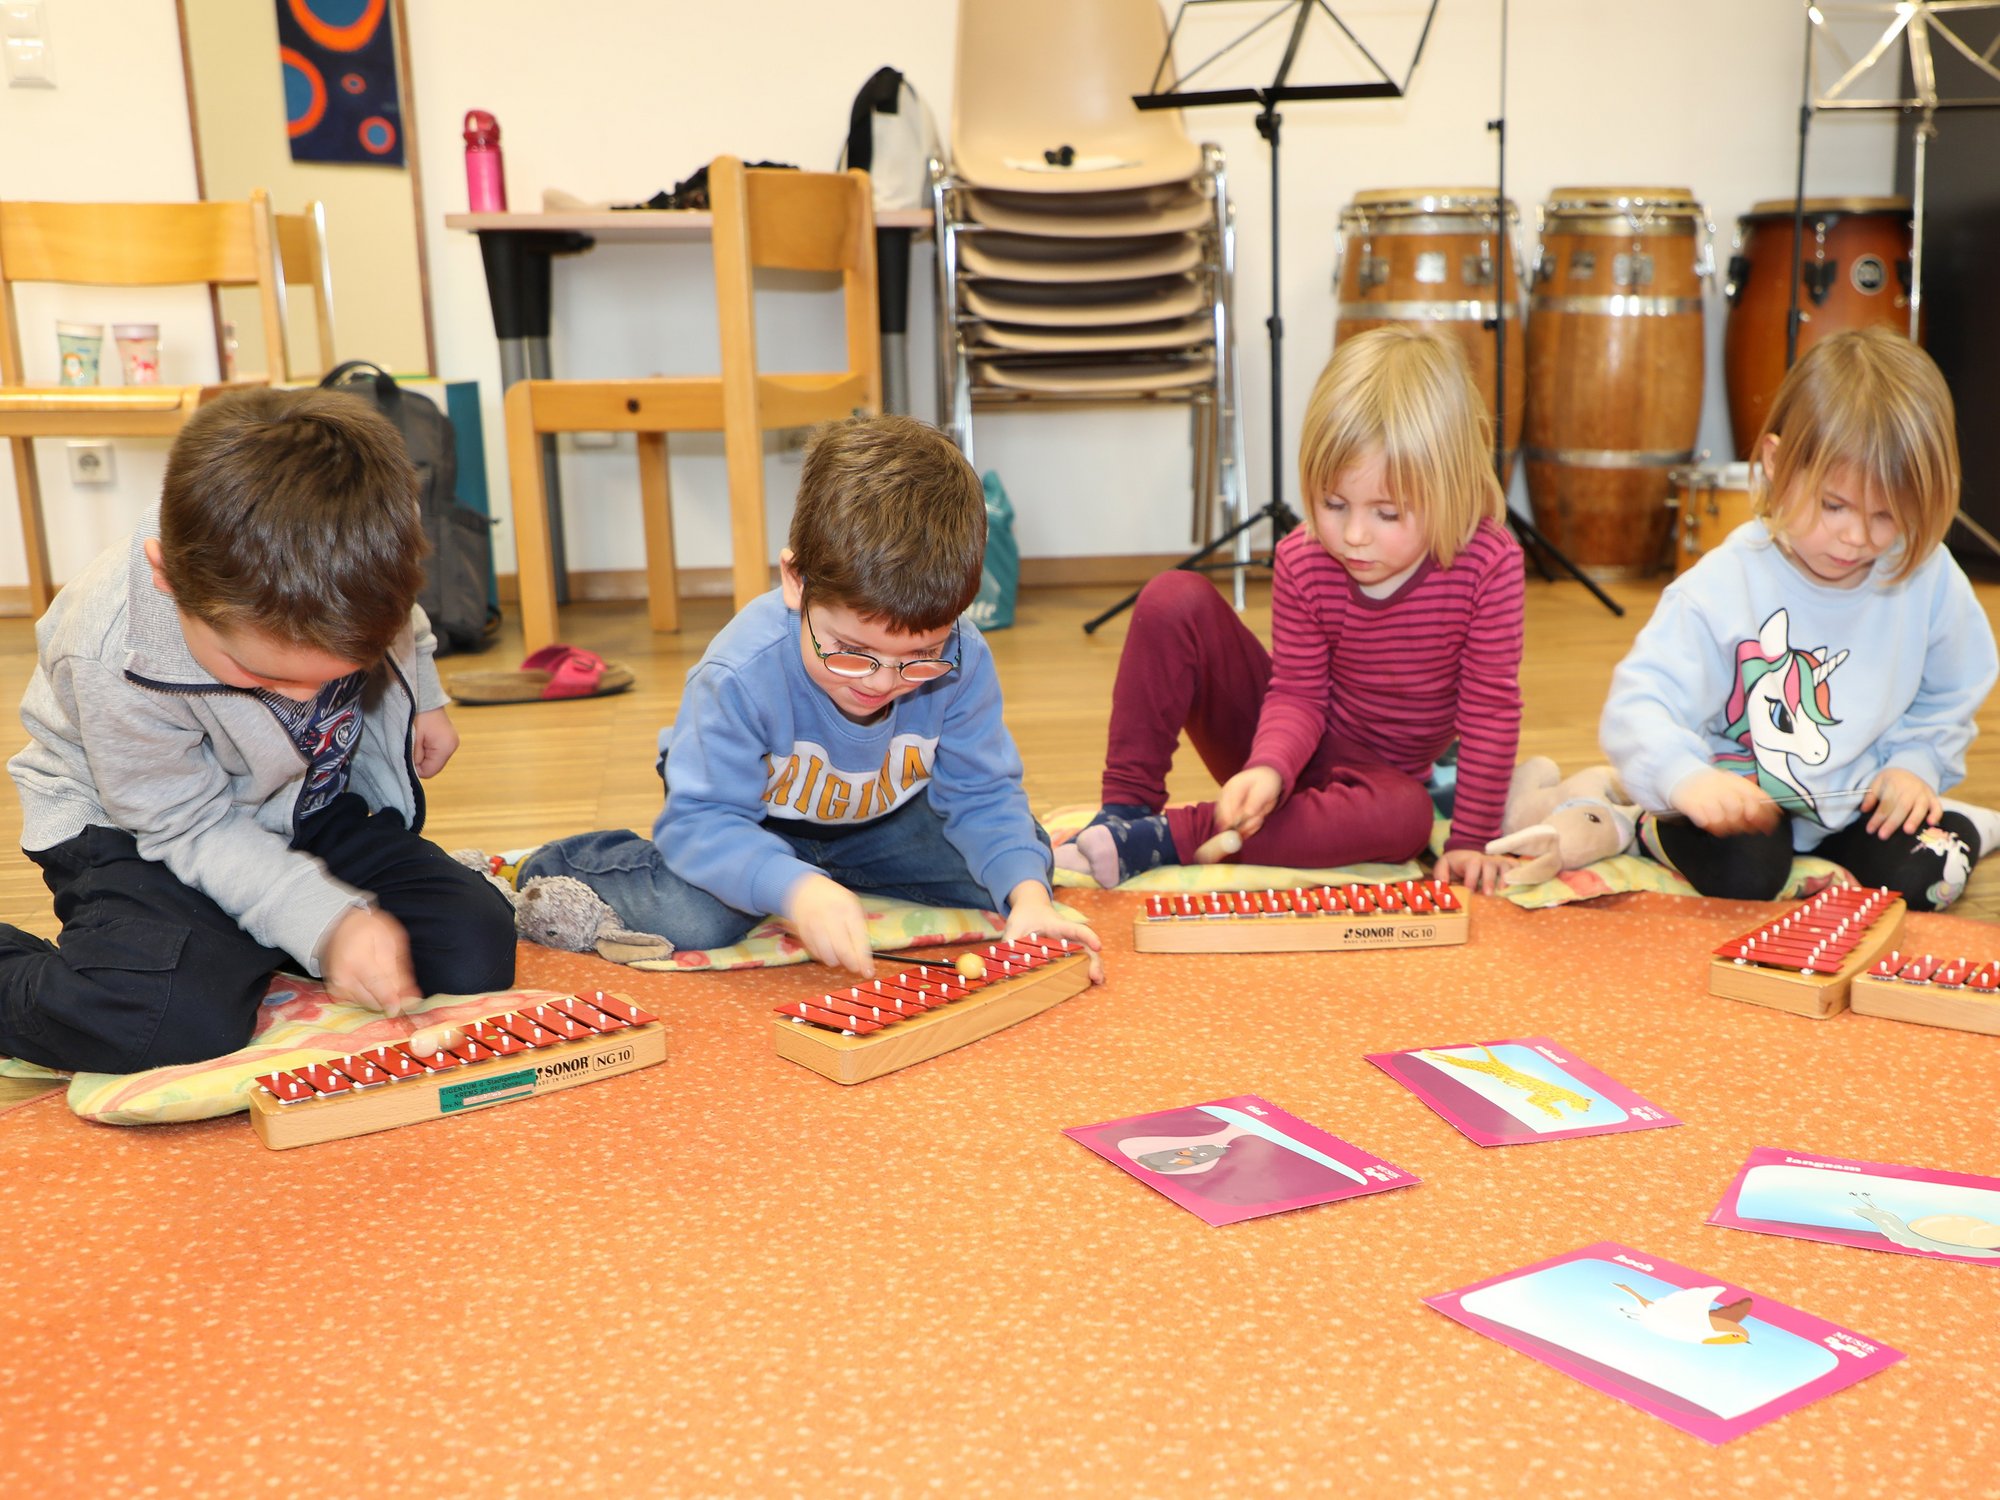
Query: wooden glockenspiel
518,1054
865,1030
1961,993
1806,960
1404,914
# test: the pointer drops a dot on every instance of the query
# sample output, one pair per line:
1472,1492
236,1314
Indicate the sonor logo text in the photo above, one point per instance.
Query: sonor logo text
568,1068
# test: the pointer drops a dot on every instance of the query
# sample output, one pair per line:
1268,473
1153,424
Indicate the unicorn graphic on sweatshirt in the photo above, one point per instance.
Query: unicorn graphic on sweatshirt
1779,711
1957,857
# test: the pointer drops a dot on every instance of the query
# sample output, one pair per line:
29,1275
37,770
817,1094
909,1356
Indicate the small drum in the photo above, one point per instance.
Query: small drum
1854,272
1614,369
1709,502
1447,258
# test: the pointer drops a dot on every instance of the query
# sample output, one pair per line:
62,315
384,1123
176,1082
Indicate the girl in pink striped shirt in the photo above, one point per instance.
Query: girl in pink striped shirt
1395,626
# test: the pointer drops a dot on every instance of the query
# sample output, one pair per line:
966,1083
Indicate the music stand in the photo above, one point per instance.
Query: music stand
1280,90
1915,21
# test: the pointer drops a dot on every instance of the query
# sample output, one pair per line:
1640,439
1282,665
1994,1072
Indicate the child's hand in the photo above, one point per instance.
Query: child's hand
1030,909
365,960
1472,869
1723,803
1246,799
432,741
828,919
1900,801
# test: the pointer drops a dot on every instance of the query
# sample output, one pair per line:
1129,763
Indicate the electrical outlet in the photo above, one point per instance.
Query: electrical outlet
581,440
24,38
92,463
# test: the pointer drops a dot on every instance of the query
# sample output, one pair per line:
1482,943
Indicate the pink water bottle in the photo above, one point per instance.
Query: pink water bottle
485,175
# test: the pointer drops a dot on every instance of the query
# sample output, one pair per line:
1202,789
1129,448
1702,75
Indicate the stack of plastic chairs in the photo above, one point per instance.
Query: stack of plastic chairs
1085,245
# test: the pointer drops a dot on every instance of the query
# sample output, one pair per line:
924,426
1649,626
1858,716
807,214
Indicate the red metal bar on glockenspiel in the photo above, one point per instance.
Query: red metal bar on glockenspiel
1814,938
515,1055
1397,914
1806,960
865,1030
1962,993
865,1008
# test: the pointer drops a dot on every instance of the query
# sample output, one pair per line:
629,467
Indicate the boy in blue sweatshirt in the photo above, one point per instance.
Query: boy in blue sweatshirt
843,733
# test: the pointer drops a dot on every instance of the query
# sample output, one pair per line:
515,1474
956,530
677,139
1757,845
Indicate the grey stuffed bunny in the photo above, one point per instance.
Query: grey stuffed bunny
559,911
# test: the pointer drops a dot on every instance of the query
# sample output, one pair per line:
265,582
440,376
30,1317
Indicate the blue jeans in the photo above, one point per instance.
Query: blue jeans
905,855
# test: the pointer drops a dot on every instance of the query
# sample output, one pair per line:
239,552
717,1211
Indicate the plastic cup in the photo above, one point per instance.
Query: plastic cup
139,348
79,345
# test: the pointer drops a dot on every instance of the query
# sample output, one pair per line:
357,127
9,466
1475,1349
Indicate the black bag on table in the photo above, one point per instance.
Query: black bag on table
458,574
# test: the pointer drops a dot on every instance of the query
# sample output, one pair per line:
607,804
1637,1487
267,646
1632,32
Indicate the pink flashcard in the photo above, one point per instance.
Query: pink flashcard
1524,1089
1871,1204
1714,1360
1239,1159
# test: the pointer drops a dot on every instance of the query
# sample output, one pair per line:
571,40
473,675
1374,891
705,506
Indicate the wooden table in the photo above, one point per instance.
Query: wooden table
518,249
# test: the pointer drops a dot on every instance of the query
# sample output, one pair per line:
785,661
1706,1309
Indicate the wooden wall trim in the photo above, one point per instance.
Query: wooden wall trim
612,585
1127,570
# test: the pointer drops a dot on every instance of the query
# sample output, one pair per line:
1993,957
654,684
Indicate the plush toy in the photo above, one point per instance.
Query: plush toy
559,911
1559,824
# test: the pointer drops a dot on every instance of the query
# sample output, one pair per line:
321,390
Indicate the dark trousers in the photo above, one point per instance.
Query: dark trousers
1190,664
1755,866
149,971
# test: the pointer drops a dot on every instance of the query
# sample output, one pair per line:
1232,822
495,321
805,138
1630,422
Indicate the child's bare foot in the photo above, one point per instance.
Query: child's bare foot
1069,857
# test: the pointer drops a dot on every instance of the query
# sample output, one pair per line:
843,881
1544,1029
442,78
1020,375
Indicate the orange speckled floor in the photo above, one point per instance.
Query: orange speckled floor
728,1276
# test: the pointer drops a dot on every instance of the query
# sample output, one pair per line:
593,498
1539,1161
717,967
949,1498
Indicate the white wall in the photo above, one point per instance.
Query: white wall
624,98
115,128
371,225
617,98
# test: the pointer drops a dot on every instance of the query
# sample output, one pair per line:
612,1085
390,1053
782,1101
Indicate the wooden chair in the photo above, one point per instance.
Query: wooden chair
117,244
302,261
781,220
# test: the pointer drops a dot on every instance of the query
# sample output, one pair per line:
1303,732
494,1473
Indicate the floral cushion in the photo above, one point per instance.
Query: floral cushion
892,927
1633,872
1607,877
300,1023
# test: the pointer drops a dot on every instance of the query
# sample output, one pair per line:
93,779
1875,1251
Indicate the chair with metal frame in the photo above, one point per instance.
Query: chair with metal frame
1085,247
118,245
779,220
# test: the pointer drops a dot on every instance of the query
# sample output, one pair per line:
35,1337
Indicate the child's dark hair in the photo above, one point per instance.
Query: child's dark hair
294,513
890,523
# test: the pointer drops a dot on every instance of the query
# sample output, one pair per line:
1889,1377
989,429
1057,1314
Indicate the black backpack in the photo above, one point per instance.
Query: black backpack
458,575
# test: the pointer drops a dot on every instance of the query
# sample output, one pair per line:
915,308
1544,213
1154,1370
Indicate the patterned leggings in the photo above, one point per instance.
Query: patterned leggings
1928,867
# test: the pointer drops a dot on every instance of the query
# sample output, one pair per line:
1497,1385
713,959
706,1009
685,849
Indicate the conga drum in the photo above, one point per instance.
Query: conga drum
1614,370
1445,258
1709,502
1854,272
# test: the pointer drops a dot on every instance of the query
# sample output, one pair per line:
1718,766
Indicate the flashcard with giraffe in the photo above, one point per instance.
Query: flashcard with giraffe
1714,1360
1240,1158
1872,1205
1522,1089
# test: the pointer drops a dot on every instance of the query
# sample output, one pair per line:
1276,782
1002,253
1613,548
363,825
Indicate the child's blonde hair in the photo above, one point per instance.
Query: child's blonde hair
1873,401
1408,394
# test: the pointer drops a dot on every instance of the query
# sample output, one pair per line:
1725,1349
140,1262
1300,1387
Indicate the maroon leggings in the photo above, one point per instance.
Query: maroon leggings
1191,664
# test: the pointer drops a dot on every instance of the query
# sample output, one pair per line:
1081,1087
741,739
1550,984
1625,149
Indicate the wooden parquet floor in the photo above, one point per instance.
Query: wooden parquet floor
526,772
